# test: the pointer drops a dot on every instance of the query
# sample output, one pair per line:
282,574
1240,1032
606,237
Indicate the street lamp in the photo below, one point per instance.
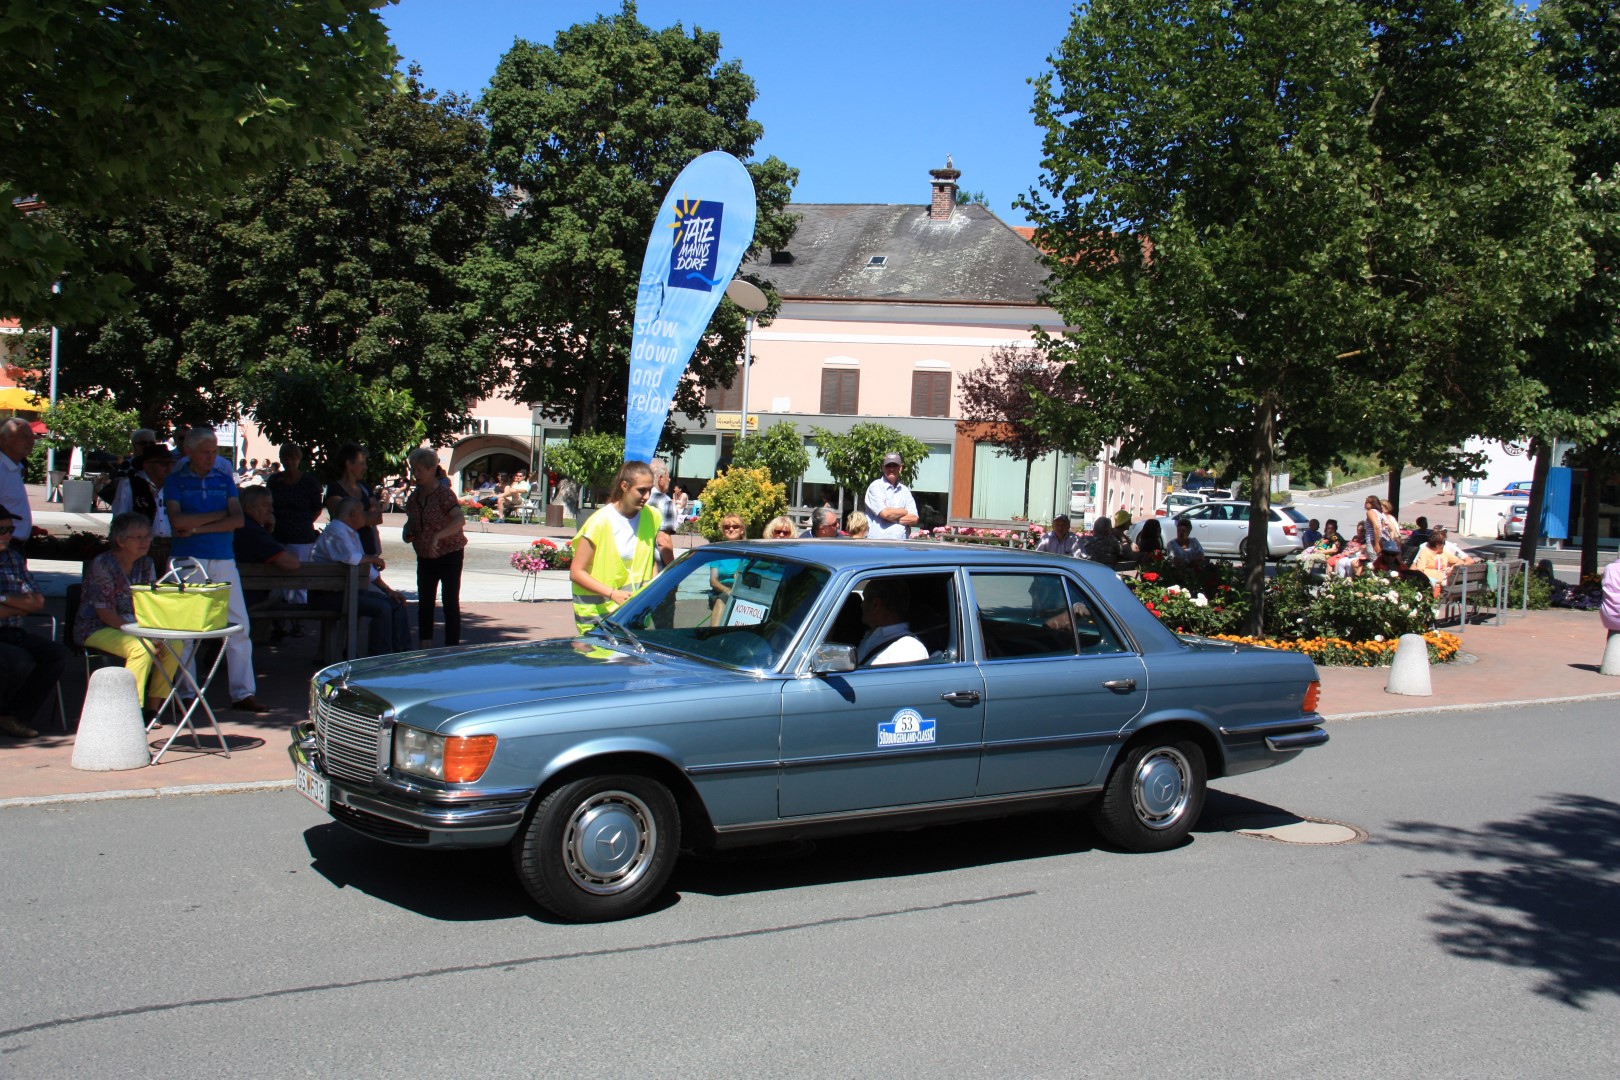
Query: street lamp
747,296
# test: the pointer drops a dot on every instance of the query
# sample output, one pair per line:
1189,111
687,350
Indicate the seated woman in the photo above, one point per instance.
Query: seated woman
1184,549
107,605
1102,545
1347,563
1435,559
1150,541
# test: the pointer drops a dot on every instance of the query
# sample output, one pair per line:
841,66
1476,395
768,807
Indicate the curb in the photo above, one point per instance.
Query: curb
69,798
1578,699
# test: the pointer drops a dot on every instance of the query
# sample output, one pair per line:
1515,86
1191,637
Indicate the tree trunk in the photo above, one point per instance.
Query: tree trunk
1262,455
1029,467
1542,453
1590,504
1394,493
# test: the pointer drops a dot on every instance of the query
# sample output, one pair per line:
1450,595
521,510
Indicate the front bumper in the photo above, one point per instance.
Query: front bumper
415,817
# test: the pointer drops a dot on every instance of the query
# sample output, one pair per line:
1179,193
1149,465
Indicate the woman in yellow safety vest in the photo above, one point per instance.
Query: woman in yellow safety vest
617,549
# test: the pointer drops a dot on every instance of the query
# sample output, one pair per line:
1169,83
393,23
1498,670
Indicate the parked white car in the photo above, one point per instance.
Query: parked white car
1222,528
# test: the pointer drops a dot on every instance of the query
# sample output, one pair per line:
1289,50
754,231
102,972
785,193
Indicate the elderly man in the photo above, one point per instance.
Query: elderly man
889,504
823,525
660,501
30,665
205,512
16,442
1060,541
340,543
253,543
141,492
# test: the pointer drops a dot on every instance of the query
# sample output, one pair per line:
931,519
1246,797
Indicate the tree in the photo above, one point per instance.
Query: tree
751,494
1577,358
592,459
91,424
326,300
104,108
586,137
1250,258
855,457
778,449
1009,391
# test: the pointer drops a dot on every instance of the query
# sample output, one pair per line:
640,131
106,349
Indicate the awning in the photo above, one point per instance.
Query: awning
15,397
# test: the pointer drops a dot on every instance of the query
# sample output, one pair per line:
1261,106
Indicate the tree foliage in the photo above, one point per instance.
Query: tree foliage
779,449
89,423
855,457
105,108
591,458
325,300
586,136
1010,391
751,494
1333,217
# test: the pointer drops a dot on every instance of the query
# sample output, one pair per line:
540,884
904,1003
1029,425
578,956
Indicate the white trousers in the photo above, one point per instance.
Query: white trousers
238,647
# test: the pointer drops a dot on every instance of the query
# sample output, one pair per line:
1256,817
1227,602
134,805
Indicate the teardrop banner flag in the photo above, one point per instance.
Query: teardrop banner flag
697,243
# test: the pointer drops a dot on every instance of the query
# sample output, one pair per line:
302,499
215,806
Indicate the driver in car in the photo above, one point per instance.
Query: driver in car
886,609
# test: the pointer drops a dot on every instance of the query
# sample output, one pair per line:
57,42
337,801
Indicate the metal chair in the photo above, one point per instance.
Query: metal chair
528,510
61,707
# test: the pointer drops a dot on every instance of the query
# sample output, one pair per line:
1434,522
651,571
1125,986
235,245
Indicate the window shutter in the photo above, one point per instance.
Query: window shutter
840,391
930,393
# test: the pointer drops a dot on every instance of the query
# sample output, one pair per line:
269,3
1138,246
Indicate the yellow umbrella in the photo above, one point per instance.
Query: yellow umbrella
15,397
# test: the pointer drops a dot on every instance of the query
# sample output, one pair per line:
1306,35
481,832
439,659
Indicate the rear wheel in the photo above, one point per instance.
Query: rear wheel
599,848
1243,550
1154,795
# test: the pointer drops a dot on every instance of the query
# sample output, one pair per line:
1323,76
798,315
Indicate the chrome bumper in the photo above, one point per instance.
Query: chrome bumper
469,820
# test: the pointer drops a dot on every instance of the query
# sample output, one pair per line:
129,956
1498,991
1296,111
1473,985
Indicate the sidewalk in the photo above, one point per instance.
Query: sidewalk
1543,656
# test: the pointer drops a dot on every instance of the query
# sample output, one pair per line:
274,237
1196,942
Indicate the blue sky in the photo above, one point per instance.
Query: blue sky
862,98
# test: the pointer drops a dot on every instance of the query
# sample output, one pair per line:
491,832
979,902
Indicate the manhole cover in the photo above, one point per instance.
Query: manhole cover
1288,829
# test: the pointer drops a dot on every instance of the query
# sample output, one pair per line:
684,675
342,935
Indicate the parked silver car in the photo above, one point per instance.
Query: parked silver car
1222,528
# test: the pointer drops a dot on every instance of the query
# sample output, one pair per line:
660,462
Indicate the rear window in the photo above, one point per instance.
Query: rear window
1290,513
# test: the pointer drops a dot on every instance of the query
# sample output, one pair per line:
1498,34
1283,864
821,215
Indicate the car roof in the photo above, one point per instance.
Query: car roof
903,554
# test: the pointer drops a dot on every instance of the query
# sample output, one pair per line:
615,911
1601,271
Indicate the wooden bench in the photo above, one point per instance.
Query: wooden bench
1468,586
310,577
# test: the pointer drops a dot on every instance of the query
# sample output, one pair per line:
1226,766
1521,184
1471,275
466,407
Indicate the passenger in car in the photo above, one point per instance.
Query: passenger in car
886,611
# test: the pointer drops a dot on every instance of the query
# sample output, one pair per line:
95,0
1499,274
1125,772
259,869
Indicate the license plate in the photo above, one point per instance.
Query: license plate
310,785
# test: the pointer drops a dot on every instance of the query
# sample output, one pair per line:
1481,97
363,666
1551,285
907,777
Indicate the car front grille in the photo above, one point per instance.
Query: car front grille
348,741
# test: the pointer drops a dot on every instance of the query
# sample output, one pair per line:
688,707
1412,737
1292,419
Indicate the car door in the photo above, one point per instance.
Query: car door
1209,526
1060,681
886,736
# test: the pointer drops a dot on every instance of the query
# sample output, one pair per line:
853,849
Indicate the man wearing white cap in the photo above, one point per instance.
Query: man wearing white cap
889,503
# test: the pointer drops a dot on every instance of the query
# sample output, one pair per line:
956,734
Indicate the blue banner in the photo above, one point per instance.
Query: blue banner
698,240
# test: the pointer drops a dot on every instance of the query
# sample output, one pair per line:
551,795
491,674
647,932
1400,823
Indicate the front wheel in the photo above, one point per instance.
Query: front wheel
1154,796
600,848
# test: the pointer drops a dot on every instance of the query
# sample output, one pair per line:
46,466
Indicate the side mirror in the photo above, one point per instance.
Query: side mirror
833,659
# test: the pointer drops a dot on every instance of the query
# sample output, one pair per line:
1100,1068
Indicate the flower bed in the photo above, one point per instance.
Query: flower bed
969,534
80,546
542,554
1338,621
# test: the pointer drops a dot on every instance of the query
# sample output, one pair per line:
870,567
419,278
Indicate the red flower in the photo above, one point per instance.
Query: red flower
1150,577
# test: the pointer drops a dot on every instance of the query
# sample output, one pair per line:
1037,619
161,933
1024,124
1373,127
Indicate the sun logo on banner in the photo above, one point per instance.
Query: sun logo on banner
694,258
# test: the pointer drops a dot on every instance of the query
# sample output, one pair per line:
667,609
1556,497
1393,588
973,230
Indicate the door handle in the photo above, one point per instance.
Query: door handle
961,697
1120,684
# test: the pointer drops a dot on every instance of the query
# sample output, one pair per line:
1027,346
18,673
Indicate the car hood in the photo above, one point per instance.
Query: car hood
437,686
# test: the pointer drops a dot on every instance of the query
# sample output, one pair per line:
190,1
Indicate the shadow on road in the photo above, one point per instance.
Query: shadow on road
453,886
1544,897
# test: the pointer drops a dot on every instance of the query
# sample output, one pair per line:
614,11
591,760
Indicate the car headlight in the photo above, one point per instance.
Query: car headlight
455,759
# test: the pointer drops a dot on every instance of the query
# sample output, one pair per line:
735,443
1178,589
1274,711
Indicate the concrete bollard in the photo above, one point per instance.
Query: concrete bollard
111,732
1409,674
1611,655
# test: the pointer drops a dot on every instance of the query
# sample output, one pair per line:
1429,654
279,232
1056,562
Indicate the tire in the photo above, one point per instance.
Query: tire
1243,550
1154,795
600,848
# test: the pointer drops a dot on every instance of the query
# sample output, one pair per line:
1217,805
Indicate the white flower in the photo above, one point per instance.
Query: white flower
1201,600
1378,637
1392,596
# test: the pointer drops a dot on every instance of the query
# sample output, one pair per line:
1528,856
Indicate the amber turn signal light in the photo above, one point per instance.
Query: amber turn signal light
467,756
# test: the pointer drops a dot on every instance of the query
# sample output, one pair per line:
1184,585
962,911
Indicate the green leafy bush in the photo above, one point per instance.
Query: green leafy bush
1371,607
748,493
1541,592
779,449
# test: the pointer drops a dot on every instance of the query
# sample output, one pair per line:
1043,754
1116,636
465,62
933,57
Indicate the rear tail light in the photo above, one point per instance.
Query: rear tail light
1290,530
1161,512
1313,698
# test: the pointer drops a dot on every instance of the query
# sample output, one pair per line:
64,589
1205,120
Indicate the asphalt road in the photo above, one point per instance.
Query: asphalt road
1473,935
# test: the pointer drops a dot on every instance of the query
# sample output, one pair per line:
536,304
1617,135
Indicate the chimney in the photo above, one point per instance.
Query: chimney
943,203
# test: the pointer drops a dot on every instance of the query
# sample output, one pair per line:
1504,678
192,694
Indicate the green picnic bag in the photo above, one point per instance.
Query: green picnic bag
183,599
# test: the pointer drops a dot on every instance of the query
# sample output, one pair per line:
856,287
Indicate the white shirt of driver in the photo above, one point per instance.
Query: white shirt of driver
892,644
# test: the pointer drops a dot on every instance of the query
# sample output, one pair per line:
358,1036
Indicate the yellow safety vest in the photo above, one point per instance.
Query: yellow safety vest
609,569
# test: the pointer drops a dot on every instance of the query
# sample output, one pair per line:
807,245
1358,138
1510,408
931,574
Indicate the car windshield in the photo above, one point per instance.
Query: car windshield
739,608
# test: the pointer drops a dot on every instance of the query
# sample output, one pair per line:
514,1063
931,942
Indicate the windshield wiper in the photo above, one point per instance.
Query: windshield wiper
615,625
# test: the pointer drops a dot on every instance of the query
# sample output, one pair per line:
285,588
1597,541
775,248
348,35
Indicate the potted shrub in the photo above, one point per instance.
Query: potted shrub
90,425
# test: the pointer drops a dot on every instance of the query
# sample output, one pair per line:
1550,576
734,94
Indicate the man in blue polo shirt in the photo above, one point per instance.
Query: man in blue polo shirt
205,513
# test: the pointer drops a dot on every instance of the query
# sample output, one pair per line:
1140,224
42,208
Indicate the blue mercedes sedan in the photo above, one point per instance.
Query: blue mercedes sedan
757,692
